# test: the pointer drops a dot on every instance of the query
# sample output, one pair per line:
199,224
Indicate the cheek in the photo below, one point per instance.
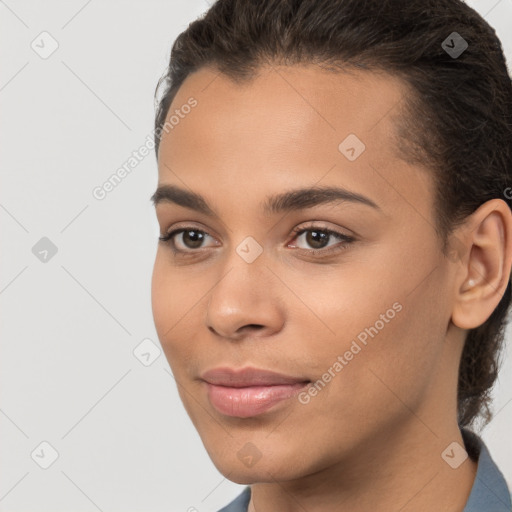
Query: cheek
167,301
393,367
388,334
161,297
177,308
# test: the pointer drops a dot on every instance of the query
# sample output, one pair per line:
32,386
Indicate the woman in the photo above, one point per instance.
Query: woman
333,272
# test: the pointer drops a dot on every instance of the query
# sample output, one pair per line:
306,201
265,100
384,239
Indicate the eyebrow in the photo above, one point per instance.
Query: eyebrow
292,200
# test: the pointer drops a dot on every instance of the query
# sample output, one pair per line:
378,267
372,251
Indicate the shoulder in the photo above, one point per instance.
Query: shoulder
240,503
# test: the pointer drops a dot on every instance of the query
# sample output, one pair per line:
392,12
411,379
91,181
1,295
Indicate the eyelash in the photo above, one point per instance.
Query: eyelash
346,240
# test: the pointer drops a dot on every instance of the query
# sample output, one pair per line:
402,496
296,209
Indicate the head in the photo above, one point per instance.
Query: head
399,313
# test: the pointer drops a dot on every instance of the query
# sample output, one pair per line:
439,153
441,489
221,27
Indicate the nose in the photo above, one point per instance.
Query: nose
245,302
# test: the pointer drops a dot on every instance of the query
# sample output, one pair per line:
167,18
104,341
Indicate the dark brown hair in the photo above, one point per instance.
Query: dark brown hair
456,119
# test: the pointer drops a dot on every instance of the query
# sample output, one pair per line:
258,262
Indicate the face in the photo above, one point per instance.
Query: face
342,296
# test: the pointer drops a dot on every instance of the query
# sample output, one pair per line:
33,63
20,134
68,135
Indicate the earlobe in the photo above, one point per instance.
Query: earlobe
485,274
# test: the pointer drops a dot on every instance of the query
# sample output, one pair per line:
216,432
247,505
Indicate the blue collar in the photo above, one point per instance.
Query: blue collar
488,494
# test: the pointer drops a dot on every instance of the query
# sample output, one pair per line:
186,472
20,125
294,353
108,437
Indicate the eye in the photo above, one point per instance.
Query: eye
318,237
192,239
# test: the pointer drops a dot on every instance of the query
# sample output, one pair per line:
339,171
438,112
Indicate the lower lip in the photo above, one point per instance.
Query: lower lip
250,401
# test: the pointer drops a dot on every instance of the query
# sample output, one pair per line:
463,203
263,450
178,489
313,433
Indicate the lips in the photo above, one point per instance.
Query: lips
249,391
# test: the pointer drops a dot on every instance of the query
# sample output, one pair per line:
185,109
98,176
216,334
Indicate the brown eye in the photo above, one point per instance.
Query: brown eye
191,239
318,239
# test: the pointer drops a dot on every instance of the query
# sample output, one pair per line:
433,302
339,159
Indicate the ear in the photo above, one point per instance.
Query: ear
484,272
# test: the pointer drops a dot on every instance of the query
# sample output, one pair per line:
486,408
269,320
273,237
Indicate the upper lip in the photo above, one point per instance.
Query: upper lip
245,377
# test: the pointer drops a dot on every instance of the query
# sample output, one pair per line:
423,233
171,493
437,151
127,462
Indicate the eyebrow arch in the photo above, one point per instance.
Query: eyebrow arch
291,200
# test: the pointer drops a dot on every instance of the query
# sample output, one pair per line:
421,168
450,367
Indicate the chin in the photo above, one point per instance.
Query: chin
248,478
247,465
254,475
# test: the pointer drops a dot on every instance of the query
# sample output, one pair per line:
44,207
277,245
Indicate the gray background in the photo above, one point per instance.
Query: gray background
70,324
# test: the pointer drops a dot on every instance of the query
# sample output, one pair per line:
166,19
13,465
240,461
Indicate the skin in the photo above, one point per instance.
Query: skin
372,438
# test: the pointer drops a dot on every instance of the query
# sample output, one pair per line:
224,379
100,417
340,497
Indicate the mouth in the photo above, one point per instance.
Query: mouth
249,392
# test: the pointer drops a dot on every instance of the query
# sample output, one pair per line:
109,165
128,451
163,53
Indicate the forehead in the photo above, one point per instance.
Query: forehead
289,125
296,99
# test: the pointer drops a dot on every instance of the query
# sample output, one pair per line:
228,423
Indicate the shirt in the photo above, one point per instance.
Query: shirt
488,494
